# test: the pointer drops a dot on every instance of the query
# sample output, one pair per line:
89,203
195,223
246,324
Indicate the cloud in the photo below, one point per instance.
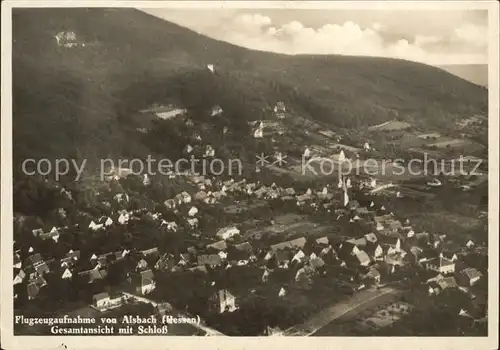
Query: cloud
472,34
467,44
432,37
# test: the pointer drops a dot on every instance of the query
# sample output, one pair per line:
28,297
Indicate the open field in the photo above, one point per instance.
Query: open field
244,206
408,140
429,135
474,119
345,147
431,153
327,133
390,125
385,316
288,225
460,224
413,193
324,322
450,143
466,222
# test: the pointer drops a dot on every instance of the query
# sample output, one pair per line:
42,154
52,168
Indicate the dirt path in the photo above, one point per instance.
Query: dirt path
209,331
356,304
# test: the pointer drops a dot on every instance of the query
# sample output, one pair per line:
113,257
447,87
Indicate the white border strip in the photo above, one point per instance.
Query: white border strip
50,342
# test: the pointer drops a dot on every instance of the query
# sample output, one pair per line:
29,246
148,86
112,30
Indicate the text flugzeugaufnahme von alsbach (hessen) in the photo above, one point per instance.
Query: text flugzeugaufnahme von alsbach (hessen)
107,325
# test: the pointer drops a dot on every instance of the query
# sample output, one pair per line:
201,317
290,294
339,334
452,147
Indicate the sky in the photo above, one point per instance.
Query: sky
435,37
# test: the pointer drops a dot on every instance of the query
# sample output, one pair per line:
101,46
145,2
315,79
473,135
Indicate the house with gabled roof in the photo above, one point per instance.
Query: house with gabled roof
171,226
261,192
265,276
328,253
371,237
123,218
245,246
153,253
433,288
70,259
304,197
34,287
170,203
93,275
35,266
66,274
395,257
375,250
223,301
101,300
470,276
121,197
347,250
185,259
212,260
359,242
240,254
165,262
216,195
298,256
193,211
282,258
54,234
105,220
317,263
289,191
322,240
193,222
143,281
223,257
201,268
447,282
107,258
19,276
183,197
279,107
374,274
17,260
220,245
227,232
441,265
196,179
33,259
363,211
200,196
94,227
142,264
304,274
363,258
298,243
37,232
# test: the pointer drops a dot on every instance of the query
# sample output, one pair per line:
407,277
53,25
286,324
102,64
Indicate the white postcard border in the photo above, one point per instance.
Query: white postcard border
9,341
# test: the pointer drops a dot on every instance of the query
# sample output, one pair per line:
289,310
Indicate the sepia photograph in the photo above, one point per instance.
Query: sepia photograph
233,169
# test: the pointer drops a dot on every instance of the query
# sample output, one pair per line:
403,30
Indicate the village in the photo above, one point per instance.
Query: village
374,249
219,243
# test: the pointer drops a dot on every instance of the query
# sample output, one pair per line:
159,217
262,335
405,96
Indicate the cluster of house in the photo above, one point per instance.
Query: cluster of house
120,217
67,39
390,245
267,127
71,267
374,254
